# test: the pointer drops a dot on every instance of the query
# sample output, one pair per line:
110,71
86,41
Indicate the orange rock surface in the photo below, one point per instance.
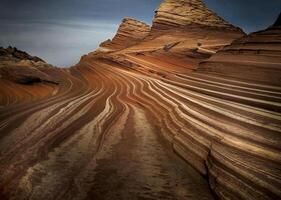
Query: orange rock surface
193,84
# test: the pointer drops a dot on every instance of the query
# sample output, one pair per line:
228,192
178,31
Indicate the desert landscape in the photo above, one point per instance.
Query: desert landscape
188,108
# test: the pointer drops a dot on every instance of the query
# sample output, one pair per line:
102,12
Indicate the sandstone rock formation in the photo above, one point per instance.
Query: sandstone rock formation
130,32
215,125
238,146
97,135
187,28
257,56
12,53
20,67
186,14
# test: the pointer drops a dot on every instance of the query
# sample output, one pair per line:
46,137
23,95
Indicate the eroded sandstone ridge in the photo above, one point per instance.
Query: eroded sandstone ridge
12,53
20,67
186,29
238,144
130,32
256,55
211,91
187,14
221,111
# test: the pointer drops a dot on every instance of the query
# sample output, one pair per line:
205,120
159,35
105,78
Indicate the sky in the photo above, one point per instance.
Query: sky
61,31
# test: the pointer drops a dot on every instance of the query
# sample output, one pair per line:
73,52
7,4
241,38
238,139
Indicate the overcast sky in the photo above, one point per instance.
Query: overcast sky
61,31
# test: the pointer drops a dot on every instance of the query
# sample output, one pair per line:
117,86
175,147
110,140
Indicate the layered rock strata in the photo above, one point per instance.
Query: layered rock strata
130,32
187,28
256,58
20,67
224,123
185,14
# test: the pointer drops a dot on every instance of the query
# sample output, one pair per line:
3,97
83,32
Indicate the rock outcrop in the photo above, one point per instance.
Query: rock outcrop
222,116
185,14
187,28
20,67
12,53
130,32
256,57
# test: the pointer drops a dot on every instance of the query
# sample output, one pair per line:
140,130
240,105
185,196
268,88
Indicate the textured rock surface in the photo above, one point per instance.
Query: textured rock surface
239,143
130,32
185,14
256,57
187,28
224,118
12,53
97,134
20,67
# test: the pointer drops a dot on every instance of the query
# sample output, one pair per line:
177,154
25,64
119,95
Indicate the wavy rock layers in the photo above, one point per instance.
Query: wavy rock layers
243,138
255,58
130,32
51,148
227,128
224,118
95,136
185,14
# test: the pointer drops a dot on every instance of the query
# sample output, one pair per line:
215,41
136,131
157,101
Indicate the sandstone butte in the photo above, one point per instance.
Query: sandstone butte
209,89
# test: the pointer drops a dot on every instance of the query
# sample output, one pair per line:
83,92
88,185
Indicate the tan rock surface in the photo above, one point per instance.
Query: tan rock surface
185,14
20,67
187,28
256,57
130,32
98,135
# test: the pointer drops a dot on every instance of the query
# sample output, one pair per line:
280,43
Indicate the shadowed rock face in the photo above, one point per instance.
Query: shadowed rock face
185,14
130,32
12,53
99,133
20,67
